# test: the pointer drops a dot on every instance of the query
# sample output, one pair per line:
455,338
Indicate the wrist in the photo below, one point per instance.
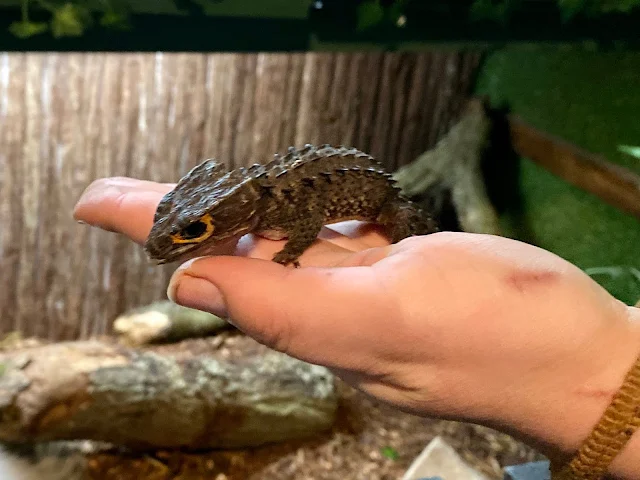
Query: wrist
627,463
576,410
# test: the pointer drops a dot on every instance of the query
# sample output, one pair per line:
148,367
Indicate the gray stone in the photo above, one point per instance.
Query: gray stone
43,462
439,459
528,471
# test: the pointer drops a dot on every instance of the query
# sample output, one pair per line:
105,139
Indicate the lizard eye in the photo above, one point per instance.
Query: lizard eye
196,231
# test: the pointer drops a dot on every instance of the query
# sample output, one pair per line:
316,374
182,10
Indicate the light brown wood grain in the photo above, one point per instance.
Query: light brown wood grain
67,119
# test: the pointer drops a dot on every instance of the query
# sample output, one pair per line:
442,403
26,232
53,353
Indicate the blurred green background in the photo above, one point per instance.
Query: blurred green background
590,97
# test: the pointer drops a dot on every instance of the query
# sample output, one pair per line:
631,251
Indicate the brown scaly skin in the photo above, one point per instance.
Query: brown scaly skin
293,197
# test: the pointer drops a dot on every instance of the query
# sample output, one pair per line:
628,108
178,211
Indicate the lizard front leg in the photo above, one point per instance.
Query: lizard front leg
301,236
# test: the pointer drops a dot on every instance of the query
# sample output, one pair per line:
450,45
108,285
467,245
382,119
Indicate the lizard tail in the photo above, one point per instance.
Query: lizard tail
403,219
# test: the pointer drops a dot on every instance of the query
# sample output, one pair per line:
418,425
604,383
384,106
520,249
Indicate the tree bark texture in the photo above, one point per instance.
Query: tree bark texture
455,164
241,395
67,119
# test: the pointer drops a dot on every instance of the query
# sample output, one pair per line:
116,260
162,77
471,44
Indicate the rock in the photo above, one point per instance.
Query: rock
440,460
42,462
528,471
241,395
165,321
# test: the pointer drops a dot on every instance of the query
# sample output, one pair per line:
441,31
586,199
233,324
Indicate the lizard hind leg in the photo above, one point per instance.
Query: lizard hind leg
402,219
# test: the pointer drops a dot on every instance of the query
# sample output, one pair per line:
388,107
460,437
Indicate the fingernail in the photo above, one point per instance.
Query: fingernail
195,292
122,182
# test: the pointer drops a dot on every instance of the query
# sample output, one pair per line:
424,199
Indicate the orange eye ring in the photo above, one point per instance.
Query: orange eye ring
183,237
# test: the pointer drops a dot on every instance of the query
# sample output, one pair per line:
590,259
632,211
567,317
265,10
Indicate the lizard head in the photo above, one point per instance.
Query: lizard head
208,206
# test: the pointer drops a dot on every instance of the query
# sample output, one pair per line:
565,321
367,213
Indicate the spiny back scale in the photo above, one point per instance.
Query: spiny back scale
312,161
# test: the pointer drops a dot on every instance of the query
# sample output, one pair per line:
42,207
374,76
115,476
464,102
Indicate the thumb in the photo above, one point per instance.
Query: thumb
310,313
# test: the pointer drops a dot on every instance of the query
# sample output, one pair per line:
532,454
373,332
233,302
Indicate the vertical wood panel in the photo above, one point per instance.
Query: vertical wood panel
67,119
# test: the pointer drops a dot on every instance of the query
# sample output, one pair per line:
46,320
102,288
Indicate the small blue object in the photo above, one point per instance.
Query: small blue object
528,471
430,478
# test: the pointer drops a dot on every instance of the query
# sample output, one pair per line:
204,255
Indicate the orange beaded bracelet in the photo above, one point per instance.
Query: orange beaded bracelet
617,425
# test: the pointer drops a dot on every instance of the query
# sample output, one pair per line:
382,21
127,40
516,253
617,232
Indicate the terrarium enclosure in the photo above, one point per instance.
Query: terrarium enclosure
528,141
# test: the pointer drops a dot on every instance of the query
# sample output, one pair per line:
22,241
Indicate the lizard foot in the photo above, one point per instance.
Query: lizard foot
284,258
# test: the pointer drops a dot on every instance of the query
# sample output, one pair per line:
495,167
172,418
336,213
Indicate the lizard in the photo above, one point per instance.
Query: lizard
290,197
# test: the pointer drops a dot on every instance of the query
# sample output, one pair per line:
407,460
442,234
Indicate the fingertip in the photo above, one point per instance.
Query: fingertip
198,293
97,199
120,204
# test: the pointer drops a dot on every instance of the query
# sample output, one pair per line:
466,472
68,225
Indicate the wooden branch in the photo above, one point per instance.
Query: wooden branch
165,321
614,184
455,164
240,395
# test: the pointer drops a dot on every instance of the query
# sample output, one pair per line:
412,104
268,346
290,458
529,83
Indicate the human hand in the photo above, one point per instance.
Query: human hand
452,325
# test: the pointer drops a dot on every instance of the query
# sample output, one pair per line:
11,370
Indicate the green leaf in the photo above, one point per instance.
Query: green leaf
369,13
492,10
390,453
70,20
395,11
116,20
634,151
570,8
596,7
616,276
26,29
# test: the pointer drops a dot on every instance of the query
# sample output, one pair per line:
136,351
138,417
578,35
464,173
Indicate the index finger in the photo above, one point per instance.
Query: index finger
120,204
127,206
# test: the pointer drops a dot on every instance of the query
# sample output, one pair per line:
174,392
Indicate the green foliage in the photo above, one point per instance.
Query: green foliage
621,277
569,8
70,18
607,6
113,19
26,29
372,13
390,453
561,90
591,8
634,151
499,10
